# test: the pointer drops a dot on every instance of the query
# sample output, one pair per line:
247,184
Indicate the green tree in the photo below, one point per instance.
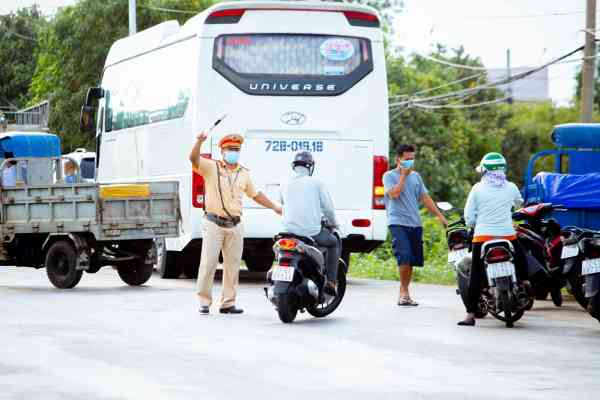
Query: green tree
18,42
73,48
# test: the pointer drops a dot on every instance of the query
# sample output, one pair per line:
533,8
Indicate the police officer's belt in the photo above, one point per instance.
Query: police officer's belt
222,221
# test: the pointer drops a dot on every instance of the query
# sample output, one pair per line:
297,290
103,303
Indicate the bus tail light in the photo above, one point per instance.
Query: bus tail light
356,18
231,16
198,188
380,166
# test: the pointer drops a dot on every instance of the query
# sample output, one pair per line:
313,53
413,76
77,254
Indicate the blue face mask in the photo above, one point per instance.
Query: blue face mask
407,163
231,157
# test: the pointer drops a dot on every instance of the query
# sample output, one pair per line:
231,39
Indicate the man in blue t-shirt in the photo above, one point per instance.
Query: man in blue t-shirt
404,192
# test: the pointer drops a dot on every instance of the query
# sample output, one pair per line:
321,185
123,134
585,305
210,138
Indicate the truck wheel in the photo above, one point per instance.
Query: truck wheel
136,274
261,263
61,261
166,261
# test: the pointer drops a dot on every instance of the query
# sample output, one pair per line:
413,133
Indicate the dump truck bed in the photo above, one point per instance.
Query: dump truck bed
109,212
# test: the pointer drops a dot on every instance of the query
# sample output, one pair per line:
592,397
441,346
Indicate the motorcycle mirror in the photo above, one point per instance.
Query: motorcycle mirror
445,206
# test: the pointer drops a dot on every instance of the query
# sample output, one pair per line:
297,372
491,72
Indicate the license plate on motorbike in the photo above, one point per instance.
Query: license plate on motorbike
500,270
283,273
589,267
570,251
457,255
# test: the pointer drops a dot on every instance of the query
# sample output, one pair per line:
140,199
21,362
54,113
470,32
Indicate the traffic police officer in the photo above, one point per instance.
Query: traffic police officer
225,183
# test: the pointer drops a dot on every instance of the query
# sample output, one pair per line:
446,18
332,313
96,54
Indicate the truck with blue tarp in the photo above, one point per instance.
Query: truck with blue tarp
574,181
572,187
71,226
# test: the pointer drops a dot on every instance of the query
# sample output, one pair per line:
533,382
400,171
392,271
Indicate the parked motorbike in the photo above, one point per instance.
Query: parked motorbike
572,259
589,245
298,278
542,242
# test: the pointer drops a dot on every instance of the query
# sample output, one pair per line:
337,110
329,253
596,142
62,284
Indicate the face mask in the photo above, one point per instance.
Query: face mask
407,163
231,157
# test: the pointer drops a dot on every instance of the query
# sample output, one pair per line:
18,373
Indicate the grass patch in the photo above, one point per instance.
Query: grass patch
381,264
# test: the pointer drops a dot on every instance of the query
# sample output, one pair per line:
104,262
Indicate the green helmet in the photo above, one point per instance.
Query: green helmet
492,162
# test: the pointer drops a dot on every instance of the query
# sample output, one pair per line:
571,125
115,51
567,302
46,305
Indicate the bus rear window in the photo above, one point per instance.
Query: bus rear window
311,64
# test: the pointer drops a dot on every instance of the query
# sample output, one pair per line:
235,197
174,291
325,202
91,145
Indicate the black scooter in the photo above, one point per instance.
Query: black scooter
298,278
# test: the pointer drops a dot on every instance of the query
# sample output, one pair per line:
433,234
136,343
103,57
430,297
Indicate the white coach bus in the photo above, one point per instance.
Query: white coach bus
291,76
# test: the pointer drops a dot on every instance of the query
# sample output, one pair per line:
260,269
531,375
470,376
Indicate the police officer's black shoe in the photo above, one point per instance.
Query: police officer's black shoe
231,310
330,288
204,310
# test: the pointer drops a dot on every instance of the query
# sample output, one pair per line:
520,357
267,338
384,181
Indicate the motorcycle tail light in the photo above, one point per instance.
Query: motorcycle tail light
287,244
497,254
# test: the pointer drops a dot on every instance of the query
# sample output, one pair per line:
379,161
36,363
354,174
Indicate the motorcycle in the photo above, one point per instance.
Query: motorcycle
572,259
503,297
541,240
507,298
298,278
589,245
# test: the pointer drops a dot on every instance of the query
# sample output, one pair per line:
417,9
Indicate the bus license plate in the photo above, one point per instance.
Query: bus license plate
570,251
457,255
590,266
500,270
283,273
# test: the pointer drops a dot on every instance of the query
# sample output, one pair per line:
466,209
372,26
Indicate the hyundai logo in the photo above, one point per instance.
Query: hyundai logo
293,118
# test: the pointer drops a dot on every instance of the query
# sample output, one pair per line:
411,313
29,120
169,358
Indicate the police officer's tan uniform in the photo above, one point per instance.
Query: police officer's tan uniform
216,239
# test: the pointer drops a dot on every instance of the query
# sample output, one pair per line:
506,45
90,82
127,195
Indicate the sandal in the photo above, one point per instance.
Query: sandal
407,301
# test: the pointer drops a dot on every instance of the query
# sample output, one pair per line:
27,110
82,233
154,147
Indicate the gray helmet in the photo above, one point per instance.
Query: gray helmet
304,159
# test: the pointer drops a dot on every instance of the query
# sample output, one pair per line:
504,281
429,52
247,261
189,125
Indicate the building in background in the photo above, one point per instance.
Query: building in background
533,88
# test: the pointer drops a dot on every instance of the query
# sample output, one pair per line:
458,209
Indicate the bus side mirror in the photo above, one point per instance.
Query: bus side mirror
86,120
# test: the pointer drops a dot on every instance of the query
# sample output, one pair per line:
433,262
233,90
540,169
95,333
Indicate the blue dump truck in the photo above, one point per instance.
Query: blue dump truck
572,187
574,181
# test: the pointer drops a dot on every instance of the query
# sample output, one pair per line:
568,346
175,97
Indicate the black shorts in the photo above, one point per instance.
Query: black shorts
407,243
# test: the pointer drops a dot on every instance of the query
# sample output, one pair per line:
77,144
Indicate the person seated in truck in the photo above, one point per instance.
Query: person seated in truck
9,173
70,172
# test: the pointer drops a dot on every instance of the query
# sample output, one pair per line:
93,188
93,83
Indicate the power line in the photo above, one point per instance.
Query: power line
170,10
540,15
490,85
461,106
468,78
17,34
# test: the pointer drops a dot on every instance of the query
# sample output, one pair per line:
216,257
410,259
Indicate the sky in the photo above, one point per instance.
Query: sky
486,28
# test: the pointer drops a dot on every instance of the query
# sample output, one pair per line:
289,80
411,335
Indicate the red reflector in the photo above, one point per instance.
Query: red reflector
361,223
497,254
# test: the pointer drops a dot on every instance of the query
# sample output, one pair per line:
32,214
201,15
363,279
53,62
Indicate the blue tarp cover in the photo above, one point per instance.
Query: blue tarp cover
570,191
30,144
582,136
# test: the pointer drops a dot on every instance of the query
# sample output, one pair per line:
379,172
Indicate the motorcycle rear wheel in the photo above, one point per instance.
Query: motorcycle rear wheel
506,306
324,309
286,309
575,287
594,306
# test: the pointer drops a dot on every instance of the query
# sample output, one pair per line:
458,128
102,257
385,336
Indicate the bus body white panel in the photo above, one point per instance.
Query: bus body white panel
344,131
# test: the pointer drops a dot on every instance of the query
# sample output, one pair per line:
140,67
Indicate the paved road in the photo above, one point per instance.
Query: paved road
104,340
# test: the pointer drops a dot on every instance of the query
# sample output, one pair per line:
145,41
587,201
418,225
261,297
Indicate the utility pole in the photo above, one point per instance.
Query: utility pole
589,63
509,85
133,18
